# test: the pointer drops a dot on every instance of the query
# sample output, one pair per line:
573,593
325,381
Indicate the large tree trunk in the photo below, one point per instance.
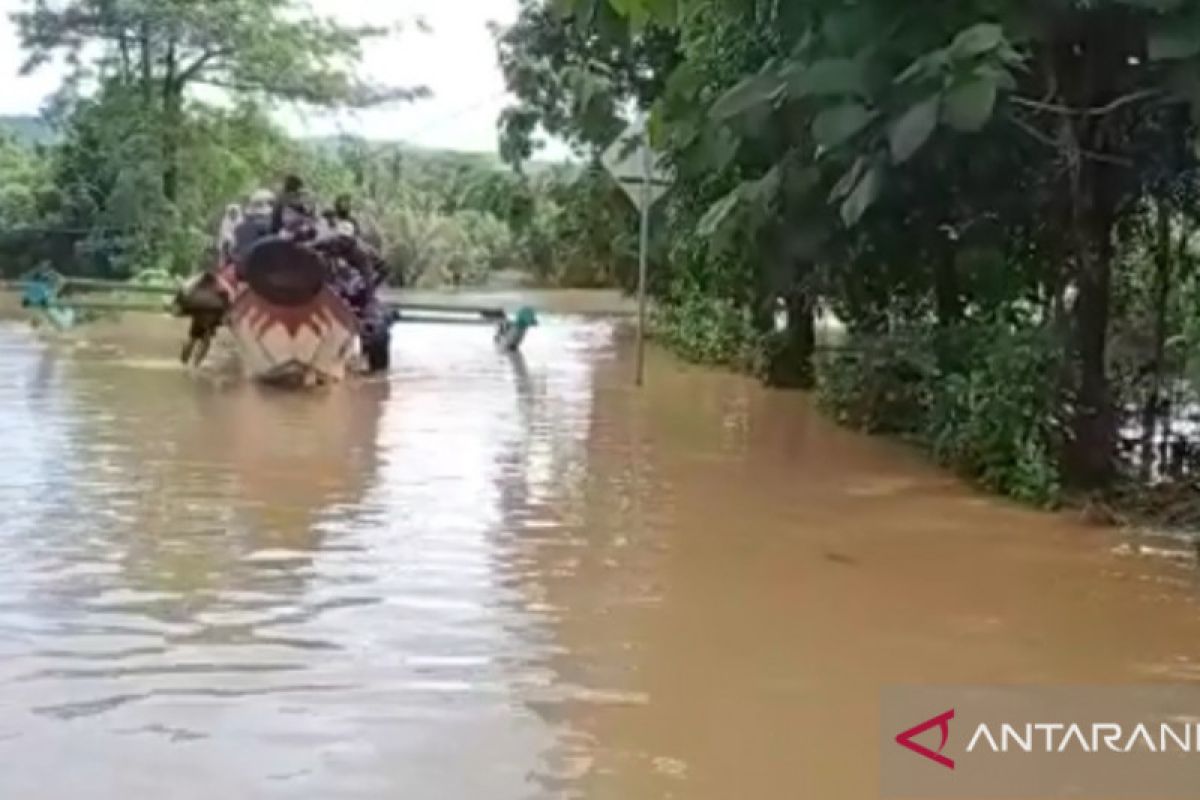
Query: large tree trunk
1090,64
172,107
1090,453
146,48
790,361
802,338
126,62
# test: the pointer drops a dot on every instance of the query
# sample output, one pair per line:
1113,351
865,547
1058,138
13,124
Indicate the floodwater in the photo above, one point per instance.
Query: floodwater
502,578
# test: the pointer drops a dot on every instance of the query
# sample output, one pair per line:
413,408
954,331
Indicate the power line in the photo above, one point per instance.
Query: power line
445,119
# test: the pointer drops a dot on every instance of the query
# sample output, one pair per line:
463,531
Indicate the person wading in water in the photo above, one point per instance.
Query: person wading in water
206,298
205,302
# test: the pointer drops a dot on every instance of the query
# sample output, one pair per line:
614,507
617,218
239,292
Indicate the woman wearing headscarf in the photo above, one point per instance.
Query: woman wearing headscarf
227,238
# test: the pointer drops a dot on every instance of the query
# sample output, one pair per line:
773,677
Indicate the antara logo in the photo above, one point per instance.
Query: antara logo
942,723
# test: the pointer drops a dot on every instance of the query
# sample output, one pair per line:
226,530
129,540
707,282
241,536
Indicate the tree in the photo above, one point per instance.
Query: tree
911,128
577,76
24,179
156,50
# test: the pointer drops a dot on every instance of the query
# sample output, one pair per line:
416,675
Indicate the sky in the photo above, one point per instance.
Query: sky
456,59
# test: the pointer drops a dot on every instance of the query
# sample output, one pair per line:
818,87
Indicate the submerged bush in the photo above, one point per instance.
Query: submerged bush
993,410
981,397
707,330
877,384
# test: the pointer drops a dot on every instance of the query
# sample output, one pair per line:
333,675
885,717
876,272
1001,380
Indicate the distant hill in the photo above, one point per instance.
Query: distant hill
480,160
475,159
28,130
33,130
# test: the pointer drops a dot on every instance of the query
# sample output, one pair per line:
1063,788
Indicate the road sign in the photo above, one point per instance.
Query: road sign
645,178
633,163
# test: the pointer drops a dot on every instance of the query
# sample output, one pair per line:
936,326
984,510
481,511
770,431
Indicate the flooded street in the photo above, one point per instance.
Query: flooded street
502,578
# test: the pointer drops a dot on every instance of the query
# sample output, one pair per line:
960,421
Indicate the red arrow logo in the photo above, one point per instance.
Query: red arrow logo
942,723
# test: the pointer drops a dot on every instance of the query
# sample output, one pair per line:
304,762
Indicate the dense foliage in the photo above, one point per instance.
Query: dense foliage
139,165
995,196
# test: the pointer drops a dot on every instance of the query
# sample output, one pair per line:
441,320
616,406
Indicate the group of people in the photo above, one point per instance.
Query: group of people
356,269
290,214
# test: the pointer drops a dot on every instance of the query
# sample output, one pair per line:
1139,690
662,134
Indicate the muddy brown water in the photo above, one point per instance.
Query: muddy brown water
492,577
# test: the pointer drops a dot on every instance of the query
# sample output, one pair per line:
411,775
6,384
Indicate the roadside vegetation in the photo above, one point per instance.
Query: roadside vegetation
997,199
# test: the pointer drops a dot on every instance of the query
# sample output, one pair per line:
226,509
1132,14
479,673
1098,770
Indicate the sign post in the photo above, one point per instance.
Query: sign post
639,171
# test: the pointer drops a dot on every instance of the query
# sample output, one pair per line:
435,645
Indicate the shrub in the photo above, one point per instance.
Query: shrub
707,330
877,384
982,397
993,412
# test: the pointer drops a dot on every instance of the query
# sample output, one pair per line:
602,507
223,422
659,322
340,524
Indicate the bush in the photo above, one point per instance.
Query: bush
982,398
708,330
993,413
878,384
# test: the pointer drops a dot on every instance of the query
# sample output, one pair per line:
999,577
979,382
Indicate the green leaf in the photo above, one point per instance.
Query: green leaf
845,29
685,83
976,40
997,75
919,67
764,190
718,146
663,12
848,181
1010,56
827,77
835,125
799,182
755,91
927,66
913,129
968,106
863,197
804,43
657,129
1173,39
718,213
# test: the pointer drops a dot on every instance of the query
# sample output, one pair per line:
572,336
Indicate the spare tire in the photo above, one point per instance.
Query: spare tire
284,273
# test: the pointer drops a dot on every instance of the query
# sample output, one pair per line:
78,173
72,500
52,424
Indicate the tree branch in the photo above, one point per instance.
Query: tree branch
1032,131
192,71
1099,111
1104,158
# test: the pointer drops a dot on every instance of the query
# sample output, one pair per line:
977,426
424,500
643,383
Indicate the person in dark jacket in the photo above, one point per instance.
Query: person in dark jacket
204,303
343,211
256,224
293,193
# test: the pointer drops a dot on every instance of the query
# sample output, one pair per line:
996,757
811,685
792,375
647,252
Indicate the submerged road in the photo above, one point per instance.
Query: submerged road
502,578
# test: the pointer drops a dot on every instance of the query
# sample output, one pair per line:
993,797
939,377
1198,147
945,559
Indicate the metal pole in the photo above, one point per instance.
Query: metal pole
643,257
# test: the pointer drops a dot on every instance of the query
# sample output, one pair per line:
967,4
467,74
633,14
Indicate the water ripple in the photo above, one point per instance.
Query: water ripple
194,565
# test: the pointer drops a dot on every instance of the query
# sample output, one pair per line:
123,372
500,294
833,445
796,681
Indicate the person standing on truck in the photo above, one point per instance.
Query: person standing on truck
227,238
343,212
256,224
293,195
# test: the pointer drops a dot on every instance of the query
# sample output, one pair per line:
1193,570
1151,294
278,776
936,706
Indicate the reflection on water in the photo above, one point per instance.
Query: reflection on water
502,577
276,590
